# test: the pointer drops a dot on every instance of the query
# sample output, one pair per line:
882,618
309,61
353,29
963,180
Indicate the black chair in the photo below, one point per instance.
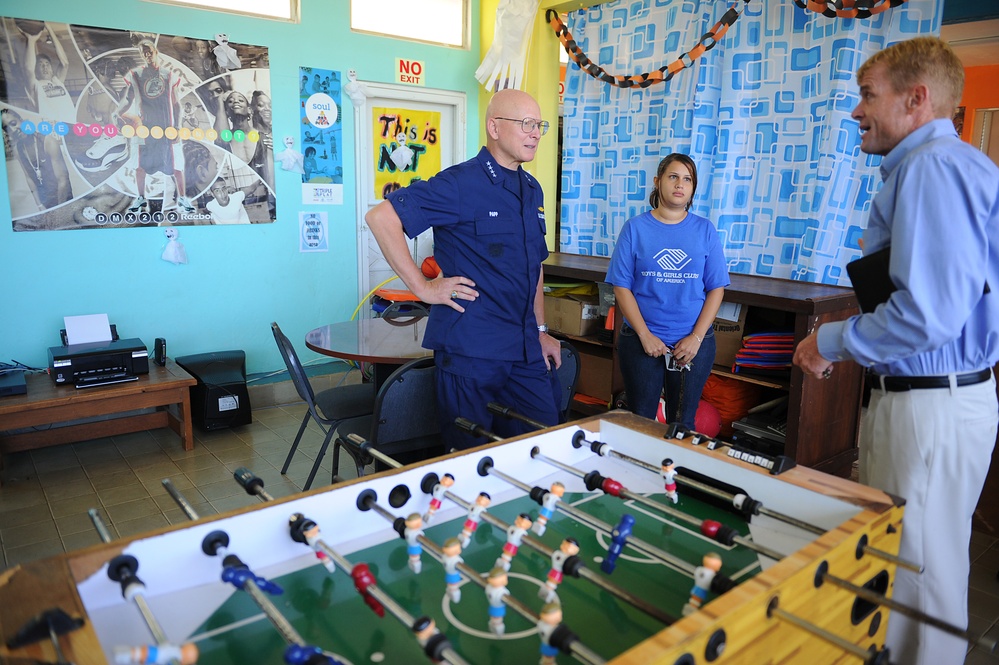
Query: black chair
404,423
568,376
329,408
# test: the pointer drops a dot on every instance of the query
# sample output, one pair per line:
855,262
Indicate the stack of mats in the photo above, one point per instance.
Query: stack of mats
765,353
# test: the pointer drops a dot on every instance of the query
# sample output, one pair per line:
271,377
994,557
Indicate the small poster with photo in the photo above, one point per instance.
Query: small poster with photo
322,136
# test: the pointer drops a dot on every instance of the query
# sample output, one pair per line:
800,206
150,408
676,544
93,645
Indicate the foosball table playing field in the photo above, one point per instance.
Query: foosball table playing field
568,545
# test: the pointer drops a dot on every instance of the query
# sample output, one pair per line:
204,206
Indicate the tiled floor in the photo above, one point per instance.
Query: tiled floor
46,493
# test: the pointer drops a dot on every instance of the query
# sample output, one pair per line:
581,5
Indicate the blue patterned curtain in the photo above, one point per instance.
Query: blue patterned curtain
765,115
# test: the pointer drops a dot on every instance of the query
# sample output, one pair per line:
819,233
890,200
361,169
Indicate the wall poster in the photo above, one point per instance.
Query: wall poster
322,136
407,147
111,128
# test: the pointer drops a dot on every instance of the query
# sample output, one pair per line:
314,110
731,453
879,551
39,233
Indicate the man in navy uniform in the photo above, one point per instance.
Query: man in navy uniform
487,321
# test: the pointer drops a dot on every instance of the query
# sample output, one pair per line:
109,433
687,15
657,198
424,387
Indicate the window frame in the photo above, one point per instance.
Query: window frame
294,9
466,13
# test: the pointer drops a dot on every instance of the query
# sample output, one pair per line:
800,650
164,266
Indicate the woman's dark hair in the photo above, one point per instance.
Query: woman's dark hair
667,160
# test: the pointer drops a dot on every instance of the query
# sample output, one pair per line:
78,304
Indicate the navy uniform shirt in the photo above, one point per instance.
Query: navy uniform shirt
489,226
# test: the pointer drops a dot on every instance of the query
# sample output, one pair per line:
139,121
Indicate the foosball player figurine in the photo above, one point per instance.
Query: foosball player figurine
619,536
703,574
548,503
568,549
474,516
452,557
437,496
431,639
514,536
669,477
495,590
549,618
414,529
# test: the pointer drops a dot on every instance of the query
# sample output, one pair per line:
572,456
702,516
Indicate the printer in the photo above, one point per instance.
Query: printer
98,363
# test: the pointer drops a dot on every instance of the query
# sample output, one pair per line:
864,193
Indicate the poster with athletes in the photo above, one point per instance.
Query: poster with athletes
117,129
322,133
407,147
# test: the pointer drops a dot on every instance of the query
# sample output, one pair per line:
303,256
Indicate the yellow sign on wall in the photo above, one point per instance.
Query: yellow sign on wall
407,147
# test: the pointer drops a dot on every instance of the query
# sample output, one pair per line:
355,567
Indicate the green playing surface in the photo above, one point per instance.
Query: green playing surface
327,611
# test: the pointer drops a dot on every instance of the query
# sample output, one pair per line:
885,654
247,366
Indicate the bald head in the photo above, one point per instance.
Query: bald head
507,102
506,139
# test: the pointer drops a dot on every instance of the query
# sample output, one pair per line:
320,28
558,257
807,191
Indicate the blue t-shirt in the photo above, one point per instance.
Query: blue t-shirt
489,226
669,268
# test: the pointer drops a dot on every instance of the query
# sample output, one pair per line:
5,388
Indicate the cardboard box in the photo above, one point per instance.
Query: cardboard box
595,375
574,314
730,328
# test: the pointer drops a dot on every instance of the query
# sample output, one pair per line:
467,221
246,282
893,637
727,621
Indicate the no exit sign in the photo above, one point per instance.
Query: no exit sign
409,71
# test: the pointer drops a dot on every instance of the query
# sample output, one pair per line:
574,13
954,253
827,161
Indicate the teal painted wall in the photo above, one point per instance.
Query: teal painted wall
240,278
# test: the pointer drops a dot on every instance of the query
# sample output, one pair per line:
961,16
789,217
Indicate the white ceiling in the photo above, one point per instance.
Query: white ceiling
975,43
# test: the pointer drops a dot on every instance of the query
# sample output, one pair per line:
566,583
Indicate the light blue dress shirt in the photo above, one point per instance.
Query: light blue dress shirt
939,210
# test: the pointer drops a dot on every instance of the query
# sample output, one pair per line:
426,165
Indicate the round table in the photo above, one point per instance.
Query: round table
385,343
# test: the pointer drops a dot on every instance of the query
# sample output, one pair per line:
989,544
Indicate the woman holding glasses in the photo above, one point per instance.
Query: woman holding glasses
669,277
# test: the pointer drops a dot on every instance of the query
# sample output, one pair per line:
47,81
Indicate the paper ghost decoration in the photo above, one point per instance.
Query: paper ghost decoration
225,54
403,155
291,159
503,66
174,251
356,90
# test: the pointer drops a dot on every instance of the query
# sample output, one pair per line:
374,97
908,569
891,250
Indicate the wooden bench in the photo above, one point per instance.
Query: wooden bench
46,406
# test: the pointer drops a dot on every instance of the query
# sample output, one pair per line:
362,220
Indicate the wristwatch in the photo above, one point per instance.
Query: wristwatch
543,328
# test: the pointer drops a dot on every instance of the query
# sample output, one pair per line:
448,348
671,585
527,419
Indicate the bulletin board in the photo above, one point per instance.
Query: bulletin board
112,128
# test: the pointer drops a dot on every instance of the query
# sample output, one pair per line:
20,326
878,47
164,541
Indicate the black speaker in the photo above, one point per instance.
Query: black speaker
221,398
159,351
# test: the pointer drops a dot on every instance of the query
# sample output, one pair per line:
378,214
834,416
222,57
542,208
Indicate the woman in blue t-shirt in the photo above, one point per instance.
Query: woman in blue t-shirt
669,276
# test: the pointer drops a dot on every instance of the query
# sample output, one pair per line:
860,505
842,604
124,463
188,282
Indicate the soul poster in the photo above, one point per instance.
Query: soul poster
111,128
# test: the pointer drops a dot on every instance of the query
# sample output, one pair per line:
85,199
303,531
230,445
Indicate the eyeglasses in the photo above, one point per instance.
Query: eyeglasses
528,124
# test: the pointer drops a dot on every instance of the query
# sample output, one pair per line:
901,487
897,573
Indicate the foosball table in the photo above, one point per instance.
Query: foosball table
579,551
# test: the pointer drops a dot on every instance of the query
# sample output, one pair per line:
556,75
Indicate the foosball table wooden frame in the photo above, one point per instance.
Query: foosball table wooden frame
851,515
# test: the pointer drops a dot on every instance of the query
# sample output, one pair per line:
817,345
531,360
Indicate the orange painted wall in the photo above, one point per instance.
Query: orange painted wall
981,90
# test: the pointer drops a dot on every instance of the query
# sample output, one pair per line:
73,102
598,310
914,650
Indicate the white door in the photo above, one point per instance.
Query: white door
372,267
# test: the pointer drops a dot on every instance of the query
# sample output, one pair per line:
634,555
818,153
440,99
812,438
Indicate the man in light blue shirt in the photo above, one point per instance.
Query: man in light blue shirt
931,424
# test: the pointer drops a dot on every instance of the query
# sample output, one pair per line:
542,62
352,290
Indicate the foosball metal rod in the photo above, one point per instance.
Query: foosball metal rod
870,656
604,450
475,429
133,586
890,558
180,500
362,444
254,486
584,572
725,535
216,543
507,412
878,599
719,584
368,501
99,526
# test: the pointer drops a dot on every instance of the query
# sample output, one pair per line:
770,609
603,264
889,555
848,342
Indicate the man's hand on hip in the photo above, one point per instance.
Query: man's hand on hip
448,291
